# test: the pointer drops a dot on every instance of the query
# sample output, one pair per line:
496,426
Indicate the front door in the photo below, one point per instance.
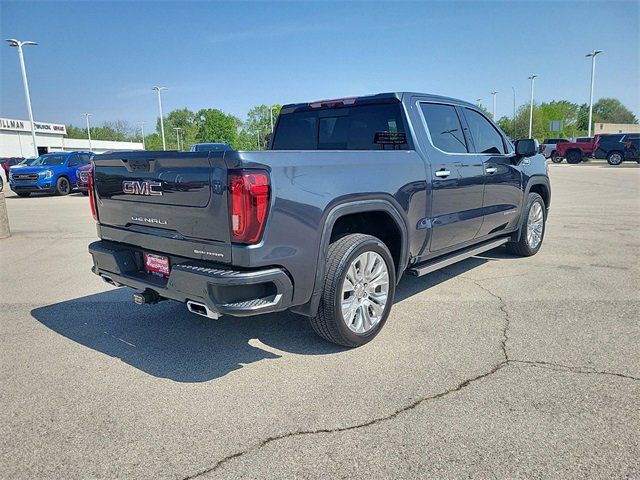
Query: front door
457,179
502,187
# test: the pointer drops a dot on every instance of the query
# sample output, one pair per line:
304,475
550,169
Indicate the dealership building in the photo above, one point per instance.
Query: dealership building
16,140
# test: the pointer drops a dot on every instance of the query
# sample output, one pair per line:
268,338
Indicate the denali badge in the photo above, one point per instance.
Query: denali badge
149,220
146,187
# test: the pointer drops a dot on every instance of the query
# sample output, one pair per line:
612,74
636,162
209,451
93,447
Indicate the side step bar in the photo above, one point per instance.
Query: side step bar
450,259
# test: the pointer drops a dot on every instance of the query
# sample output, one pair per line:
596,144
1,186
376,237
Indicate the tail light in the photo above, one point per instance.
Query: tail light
628,144
92,198
249,203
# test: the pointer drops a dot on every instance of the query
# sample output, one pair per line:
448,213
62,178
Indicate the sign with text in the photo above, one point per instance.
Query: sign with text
25,126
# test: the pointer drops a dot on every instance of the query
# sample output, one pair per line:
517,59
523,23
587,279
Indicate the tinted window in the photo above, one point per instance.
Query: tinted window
486,138
74,161
583,139
85,158
445,128
49,160
210,147
360,127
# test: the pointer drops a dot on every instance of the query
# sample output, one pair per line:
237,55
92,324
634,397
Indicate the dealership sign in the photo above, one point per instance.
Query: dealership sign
25,126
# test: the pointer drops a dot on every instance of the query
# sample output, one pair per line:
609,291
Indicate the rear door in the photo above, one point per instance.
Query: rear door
502,187
457,178
182,196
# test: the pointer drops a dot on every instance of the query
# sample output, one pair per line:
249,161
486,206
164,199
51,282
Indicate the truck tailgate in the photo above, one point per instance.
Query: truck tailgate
169,195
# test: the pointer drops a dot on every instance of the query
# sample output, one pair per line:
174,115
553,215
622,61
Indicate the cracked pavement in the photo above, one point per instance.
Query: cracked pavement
494,367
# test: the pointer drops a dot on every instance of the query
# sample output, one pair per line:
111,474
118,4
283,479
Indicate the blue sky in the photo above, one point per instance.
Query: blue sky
105,57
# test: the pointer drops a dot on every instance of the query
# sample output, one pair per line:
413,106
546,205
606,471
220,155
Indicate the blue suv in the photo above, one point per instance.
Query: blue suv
50,173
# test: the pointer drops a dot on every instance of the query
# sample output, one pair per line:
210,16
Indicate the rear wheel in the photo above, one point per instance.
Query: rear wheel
63,187
533,228
615,158
574,157
555,158
358,291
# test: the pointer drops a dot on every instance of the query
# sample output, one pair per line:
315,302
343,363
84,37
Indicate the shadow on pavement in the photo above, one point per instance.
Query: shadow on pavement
167,341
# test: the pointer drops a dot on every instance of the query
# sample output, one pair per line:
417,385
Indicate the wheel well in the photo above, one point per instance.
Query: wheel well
543,191
376,223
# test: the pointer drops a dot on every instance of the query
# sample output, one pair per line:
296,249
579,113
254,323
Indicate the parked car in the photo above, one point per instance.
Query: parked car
632,149
353,194
548,149
51,173
210,147
575,151
8,162
612,146
82,182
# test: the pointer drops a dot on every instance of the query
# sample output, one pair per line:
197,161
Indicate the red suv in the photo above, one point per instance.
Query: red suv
82,179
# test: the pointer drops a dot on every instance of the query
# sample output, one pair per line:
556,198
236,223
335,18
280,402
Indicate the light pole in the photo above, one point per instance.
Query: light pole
271,115
86,116
593,73
142,128
533,79
16,43
177,129
493,94
514,110
159,89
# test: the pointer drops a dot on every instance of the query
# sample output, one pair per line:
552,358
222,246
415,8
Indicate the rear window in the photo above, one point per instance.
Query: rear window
358,127
583,139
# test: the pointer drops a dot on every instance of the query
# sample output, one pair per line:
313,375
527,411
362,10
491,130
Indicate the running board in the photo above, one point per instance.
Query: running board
450,259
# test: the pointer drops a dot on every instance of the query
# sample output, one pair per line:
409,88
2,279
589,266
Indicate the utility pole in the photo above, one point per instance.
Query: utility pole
142,128
593,74
533,79
494,93
159,90
86,116
16,43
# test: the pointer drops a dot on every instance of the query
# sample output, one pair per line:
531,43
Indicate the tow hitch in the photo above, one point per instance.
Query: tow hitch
147,297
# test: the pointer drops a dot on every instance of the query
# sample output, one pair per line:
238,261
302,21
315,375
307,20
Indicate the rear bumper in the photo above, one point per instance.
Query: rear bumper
224,290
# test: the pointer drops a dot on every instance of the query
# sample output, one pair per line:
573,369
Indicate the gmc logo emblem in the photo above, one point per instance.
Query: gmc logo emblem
146,187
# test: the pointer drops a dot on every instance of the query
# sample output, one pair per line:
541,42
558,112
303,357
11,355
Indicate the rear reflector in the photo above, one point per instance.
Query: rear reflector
92,198
249,203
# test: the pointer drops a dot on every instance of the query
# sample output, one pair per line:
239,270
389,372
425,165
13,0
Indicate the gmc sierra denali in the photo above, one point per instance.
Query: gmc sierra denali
352,193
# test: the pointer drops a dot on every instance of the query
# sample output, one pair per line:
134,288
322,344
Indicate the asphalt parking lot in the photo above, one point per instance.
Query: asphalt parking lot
495,367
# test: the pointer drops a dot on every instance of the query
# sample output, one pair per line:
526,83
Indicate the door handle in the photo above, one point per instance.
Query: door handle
491,170
443,173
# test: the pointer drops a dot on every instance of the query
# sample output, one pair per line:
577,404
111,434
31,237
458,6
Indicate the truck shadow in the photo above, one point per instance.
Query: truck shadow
167,341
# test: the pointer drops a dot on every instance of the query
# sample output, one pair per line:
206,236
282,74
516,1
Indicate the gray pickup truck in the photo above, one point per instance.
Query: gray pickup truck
352,194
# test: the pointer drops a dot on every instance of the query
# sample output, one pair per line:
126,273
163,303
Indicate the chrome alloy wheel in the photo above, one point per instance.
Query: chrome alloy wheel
364,292
535,225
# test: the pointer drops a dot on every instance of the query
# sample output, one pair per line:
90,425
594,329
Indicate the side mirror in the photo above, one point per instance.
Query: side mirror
526,147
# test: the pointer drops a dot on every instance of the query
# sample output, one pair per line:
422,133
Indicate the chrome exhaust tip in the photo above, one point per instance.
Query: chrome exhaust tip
110,280
201,309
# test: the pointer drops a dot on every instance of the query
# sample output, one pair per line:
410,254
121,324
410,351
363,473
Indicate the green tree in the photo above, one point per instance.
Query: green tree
216,126
153,141
606,110
185,120
259,122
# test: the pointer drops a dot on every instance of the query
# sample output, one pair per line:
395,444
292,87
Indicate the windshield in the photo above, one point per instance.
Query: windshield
28,161
48,160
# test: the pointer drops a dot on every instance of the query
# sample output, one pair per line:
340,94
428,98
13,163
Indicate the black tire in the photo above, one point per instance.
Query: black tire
555,158
522,247
574,157
615,158
328,322
23,194
63,186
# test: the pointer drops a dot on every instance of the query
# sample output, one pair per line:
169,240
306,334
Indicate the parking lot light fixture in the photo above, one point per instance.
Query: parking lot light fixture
159,90
86,116
533,79
493,94
17,43
592,54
